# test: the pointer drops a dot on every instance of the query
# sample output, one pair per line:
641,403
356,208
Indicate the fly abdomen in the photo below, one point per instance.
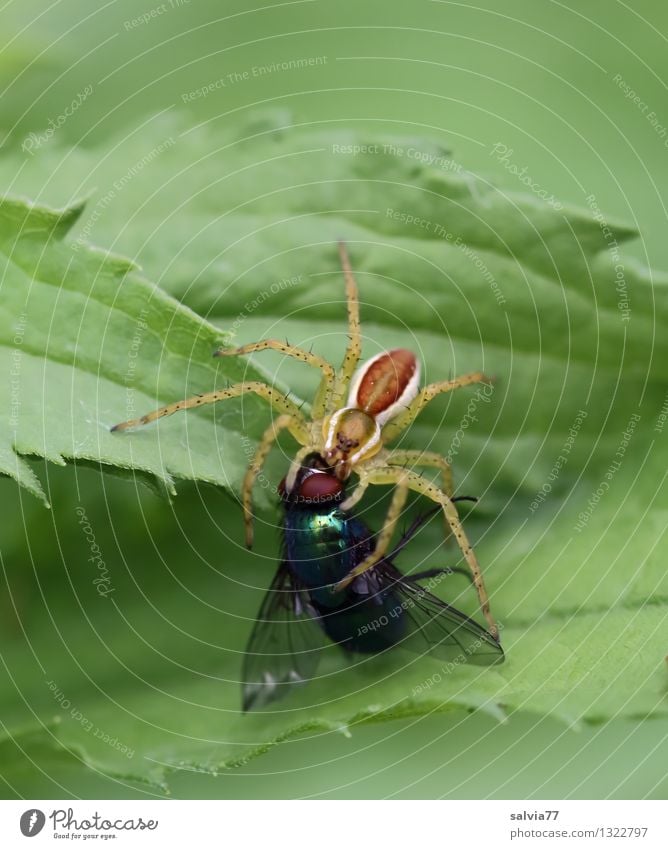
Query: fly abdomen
367,626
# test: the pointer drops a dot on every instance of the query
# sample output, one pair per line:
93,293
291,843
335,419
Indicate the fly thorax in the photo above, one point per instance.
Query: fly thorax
351,435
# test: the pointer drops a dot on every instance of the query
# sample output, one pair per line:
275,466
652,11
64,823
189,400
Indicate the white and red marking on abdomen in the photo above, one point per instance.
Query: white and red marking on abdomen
385,384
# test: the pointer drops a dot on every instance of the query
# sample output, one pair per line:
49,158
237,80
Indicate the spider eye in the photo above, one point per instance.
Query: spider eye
319,486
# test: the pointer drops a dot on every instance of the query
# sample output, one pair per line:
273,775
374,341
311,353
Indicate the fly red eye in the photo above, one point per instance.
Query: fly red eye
320,487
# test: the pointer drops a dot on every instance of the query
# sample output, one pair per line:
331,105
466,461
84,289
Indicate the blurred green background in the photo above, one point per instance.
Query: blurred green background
548,81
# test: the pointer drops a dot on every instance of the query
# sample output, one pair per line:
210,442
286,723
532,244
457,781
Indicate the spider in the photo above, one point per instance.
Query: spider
355,413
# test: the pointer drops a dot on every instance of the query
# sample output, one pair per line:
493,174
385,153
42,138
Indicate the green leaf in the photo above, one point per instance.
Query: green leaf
79,330
571,516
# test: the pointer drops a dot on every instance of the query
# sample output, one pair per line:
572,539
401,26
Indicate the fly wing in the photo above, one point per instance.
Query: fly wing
432,626
285,644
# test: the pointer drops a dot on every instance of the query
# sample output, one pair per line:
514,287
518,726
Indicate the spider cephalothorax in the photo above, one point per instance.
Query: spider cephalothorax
354,415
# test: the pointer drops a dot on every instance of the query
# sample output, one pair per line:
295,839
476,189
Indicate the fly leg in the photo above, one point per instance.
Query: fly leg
434,573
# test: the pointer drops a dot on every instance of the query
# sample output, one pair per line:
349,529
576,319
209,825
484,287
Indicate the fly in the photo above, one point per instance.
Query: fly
305,613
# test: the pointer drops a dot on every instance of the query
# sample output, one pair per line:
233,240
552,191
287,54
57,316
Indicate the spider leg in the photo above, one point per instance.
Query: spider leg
264,447
430,459
406,480
298,426
295,465
356,495
404,457
395,426
354,348
385,536
328,373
